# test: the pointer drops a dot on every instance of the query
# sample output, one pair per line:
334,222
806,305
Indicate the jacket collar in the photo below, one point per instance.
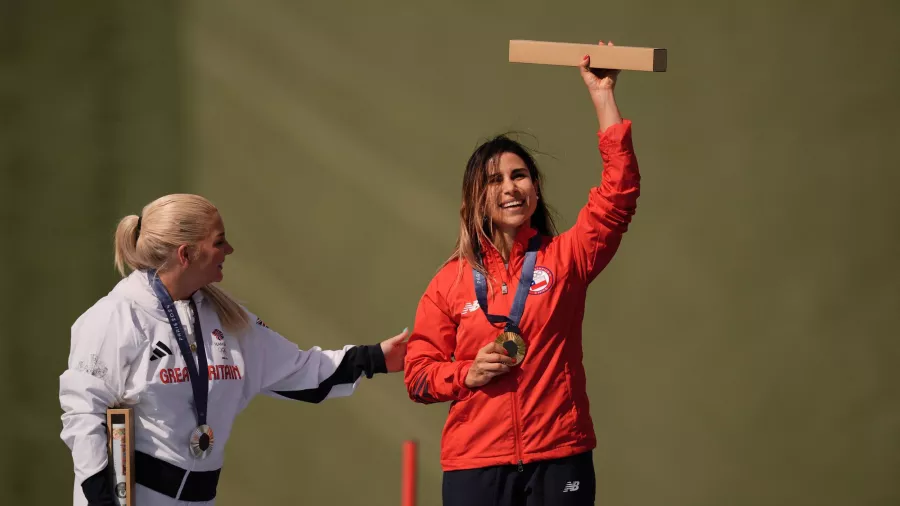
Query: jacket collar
491,256
136,288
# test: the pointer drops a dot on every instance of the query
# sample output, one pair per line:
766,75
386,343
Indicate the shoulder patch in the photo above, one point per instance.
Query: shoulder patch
261,323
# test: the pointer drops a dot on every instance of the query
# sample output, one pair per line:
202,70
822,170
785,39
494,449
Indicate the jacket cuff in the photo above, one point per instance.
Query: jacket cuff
376,360
462,391
98,490
617,137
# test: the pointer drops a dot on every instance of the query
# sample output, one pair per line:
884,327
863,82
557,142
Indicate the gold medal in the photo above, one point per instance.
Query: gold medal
513,344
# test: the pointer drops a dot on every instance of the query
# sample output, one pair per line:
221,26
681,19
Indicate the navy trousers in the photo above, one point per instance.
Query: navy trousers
568,481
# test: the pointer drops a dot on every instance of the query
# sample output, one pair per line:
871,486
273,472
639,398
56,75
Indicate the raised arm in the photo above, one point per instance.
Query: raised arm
597,233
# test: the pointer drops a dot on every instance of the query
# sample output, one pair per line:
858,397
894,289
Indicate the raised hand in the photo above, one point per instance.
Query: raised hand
601,84
598,80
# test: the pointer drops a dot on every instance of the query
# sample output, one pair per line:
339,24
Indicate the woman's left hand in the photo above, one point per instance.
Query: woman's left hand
394,350
601,84
598,81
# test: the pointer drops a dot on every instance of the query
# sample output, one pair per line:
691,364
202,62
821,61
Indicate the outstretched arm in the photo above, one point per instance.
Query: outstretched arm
313,375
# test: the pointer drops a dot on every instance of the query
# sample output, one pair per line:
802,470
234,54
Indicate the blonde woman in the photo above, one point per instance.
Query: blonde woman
186,357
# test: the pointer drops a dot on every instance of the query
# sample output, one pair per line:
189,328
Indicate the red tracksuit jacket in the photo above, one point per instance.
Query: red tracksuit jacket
539,410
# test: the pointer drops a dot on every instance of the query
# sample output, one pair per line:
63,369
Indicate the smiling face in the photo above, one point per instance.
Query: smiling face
502,189
511,195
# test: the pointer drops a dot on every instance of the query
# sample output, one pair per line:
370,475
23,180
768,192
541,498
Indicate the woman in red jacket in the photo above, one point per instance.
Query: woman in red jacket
519,430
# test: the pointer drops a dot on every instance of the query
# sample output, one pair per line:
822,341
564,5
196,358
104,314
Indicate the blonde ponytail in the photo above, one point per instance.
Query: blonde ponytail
126,244
147,242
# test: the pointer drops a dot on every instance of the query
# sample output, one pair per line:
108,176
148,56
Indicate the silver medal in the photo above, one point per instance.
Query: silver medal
201,442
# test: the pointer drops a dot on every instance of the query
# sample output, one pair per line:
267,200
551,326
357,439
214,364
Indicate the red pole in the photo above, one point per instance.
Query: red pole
408,486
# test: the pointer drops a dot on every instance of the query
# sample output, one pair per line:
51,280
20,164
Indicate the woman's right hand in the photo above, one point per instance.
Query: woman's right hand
491,361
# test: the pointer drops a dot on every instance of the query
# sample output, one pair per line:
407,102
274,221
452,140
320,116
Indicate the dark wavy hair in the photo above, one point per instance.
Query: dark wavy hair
474,223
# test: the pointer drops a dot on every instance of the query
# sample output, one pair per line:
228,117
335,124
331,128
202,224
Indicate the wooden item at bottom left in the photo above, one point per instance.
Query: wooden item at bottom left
120,433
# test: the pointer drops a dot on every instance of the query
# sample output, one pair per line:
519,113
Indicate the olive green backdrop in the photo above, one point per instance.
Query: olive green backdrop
742,348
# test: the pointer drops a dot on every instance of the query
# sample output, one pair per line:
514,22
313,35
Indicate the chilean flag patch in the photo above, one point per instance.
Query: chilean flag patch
542,281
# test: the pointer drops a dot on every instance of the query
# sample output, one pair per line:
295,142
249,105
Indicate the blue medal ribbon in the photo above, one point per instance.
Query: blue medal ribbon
199,382
518,306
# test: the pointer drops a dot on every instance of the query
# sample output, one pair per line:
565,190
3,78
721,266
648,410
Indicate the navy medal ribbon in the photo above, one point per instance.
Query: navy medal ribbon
201,438
511,338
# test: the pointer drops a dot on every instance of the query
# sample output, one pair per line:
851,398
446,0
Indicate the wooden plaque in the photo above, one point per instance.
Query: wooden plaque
120,436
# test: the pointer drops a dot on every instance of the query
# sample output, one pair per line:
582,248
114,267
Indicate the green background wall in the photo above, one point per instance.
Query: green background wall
742,348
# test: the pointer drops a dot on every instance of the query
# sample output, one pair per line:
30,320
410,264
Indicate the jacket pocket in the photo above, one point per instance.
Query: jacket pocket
570,405
478,427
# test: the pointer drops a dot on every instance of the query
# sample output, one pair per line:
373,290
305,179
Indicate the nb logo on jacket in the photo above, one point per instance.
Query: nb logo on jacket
471,307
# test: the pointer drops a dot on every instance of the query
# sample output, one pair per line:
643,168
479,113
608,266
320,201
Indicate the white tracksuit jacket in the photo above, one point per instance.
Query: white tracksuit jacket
123,352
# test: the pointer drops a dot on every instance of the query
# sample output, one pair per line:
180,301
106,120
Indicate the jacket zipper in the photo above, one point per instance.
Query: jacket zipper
515,406
515,398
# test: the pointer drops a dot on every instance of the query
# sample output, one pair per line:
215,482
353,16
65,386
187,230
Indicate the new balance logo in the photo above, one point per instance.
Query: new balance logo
160,351
571,486
470,307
